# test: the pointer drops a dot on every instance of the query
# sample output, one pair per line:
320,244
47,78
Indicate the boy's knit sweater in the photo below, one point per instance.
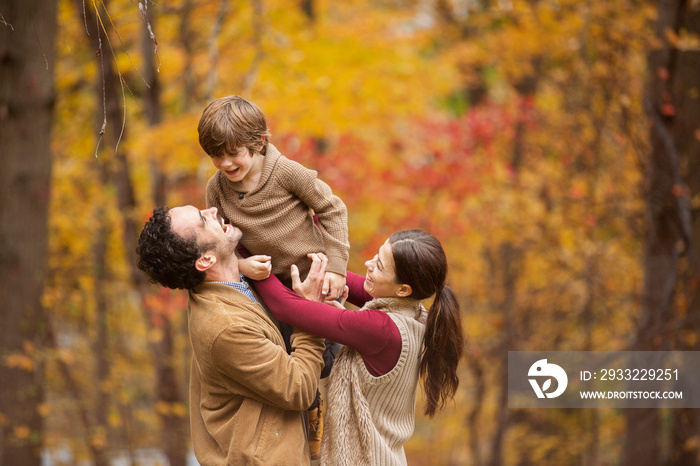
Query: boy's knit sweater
276,217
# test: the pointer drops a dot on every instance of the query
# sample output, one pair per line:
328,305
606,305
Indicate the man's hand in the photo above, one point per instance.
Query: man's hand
333,285
255,267
312,287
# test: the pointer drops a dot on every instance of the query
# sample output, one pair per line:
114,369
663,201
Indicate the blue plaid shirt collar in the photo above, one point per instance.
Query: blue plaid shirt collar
243,287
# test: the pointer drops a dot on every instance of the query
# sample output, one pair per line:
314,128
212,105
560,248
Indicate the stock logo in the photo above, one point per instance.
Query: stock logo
542,370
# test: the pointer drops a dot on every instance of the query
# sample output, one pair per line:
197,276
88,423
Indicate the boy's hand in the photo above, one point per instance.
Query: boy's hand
255,267
312,285
333,285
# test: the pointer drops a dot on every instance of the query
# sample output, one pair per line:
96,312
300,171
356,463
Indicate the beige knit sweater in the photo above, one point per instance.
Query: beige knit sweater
369,419
276,217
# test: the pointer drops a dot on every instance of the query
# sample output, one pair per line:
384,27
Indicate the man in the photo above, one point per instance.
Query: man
246,393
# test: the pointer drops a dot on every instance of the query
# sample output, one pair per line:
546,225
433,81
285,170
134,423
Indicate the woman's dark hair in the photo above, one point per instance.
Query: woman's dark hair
421,263
167,258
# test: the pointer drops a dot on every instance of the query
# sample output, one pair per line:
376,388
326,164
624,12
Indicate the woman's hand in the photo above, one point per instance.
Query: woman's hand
255,267
312,287
333,285
340,304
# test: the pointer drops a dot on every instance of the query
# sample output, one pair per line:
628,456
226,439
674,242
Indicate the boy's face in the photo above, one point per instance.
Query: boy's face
235,166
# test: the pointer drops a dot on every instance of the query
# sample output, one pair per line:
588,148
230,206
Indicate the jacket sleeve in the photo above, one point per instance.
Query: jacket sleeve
246,356
329,208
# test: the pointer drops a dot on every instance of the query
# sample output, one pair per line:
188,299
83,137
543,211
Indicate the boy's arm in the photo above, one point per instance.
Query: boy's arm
333,223
329,209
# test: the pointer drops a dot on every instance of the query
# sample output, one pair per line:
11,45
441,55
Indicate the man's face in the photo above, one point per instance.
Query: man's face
208,227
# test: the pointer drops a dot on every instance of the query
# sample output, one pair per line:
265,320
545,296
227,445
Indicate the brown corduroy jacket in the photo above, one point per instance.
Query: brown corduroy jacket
246,393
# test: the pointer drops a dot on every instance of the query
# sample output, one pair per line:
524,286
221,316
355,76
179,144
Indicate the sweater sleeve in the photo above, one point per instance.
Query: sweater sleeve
329,208
371,332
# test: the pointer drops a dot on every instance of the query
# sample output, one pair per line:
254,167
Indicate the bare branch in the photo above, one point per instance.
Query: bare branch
143,9
41,47
109,17
2,20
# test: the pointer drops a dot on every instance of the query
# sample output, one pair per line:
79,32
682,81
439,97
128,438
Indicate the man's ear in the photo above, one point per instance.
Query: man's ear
205,261
404,291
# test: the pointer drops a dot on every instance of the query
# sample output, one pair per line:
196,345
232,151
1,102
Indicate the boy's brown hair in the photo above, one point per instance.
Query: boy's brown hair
232,122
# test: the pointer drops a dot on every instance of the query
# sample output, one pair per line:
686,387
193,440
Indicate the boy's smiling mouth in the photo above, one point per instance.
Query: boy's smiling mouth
230,174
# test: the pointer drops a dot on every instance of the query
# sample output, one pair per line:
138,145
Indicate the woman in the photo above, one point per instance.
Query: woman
389,343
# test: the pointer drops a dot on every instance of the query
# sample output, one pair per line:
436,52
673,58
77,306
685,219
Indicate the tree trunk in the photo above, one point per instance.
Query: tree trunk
174,427
507,261
673,74
27,37
684,127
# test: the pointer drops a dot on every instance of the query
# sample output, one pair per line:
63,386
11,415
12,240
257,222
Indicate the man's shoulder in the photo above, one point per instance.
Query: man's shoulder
221,304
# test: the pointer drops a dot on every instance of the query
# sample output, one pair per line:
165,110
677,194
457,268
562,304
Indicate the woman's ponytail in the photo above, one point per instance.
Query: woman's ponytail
443,348
421,262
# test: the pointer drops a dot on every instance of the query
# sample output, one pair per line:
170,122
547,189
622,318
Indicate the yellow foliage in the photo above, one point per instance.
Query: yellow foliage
20,361
179,409
44,409
98,438
114,419
155,335
21,432
559,78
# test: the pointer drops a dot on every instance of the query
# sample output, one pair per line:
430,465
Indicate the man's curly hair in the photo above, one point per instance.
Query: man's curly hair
167,258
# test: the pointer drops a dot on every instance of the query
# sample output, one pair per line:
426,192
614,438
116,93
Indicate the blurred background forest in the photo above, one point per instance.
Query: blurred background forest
552,145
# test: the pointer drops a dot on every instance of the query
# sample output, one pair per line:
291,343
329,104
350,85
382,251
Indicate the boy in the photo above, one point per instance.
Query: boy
272,199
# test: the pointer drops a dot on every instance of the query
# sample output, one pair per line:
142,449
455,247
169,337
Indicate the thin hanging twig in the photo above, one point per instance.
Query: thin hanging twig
41,46
143,9
85,22
100,25
114,28
2,20
104,85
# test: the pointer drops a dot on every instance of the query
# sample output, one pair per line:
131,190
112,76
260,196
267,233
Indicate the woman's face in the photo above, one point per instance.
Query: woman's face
380,281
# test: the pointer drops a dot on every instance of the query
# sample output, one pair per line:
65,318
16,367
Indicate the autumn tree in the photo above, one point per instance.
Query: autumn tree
27,32
512,130
671,301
